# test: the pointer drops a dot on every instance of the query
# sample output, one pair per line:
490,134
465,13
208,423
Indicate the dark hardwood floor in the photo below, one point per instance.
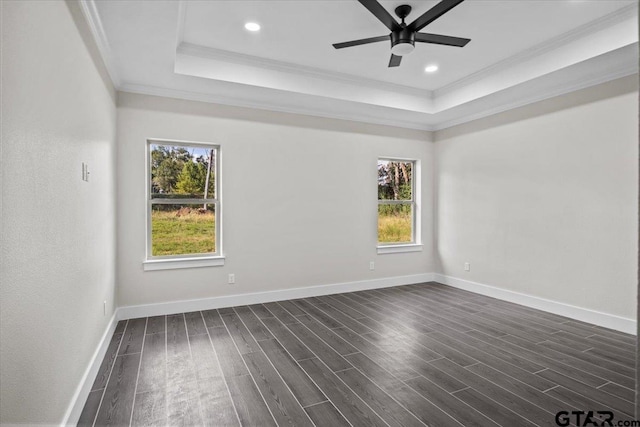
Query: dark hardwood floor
406,356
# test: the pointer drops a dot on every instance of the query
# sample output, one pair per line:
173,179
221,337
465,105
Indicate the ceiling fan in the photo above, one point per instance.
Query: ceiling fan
403,36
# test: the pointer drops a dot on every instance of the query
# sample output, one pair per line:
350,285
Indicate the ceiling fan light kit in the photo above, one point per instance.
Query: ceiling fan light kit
403,37
402,42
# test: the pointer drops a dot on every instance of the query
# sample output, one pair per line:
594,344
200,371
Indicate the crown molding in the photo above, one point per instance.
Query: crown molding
553,82
537,96
91,15
555,86
286,67
585,30
298,109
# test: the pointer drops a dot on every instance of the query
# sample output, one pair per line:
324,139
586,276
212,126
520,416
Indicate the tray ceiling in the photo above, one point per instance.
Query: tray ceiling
521,51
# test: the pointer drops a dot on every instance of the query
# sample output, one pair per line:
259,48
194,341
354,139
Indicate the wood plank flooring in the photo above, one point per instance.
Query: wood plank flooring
418,355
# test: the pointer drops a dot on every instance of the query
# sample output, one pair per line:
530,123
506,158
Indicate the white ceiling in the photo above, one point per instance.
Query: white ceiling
521,51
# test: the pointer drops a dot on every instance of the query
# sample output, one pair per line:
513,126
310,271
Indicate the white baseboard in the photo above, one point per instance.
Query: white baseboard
135,311
84,387
583,314
131,312
173,307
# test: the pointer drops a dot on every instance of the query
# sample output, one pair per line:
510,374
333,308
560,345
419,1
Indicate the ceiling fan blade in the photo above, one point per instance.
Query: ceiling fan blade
432,14
381,13
361,41
395,60
440,39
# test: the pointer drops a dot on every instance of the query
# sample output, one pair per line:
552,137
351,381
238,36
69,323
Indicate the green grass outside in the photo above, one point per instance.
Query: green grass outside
173,233
181,234
394,228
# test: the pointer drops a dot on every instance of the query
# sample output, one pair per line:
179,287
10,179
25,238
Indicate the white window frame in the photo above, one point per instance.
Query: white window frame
416,227
168,262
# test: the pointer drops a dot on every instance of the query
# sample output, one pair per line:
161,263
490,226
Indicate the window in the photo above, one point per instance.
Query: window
183,215
397,207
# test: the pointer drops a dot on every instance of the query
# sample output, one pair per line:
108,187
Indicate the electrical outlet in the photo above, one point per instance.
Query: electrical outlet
232,279
372,265
467,266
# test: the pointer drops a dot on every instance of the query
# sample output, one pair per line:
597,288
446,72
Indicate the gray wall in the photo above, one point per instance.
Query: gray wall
58,232
299,199
542,200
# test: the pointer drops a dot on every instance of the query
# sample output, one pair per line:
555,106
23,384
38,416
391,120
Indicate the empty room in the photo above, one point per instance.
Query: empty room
319,213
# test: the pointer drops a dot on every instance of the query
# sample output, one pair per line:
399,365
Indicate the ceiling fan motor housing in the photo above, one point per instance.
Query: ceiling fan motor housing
402,42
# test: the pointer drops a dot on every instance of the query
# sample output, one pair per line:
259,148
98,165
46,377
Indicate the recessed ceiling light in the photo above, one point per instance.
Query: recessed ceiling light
252,26
431,68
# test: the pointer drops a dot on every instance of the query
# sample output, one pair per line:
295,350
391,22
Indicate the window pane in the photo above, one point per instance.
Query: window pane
394,223
183,229
395,180
182,171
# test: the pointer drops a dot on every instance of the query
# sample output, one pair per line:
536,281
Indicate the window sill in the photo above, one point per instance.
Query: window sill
176,263
398,249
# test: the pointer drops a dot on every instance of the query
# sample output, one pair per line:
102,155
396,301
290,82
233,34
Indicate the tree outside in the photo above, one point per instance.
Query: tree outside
181,173
395,201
